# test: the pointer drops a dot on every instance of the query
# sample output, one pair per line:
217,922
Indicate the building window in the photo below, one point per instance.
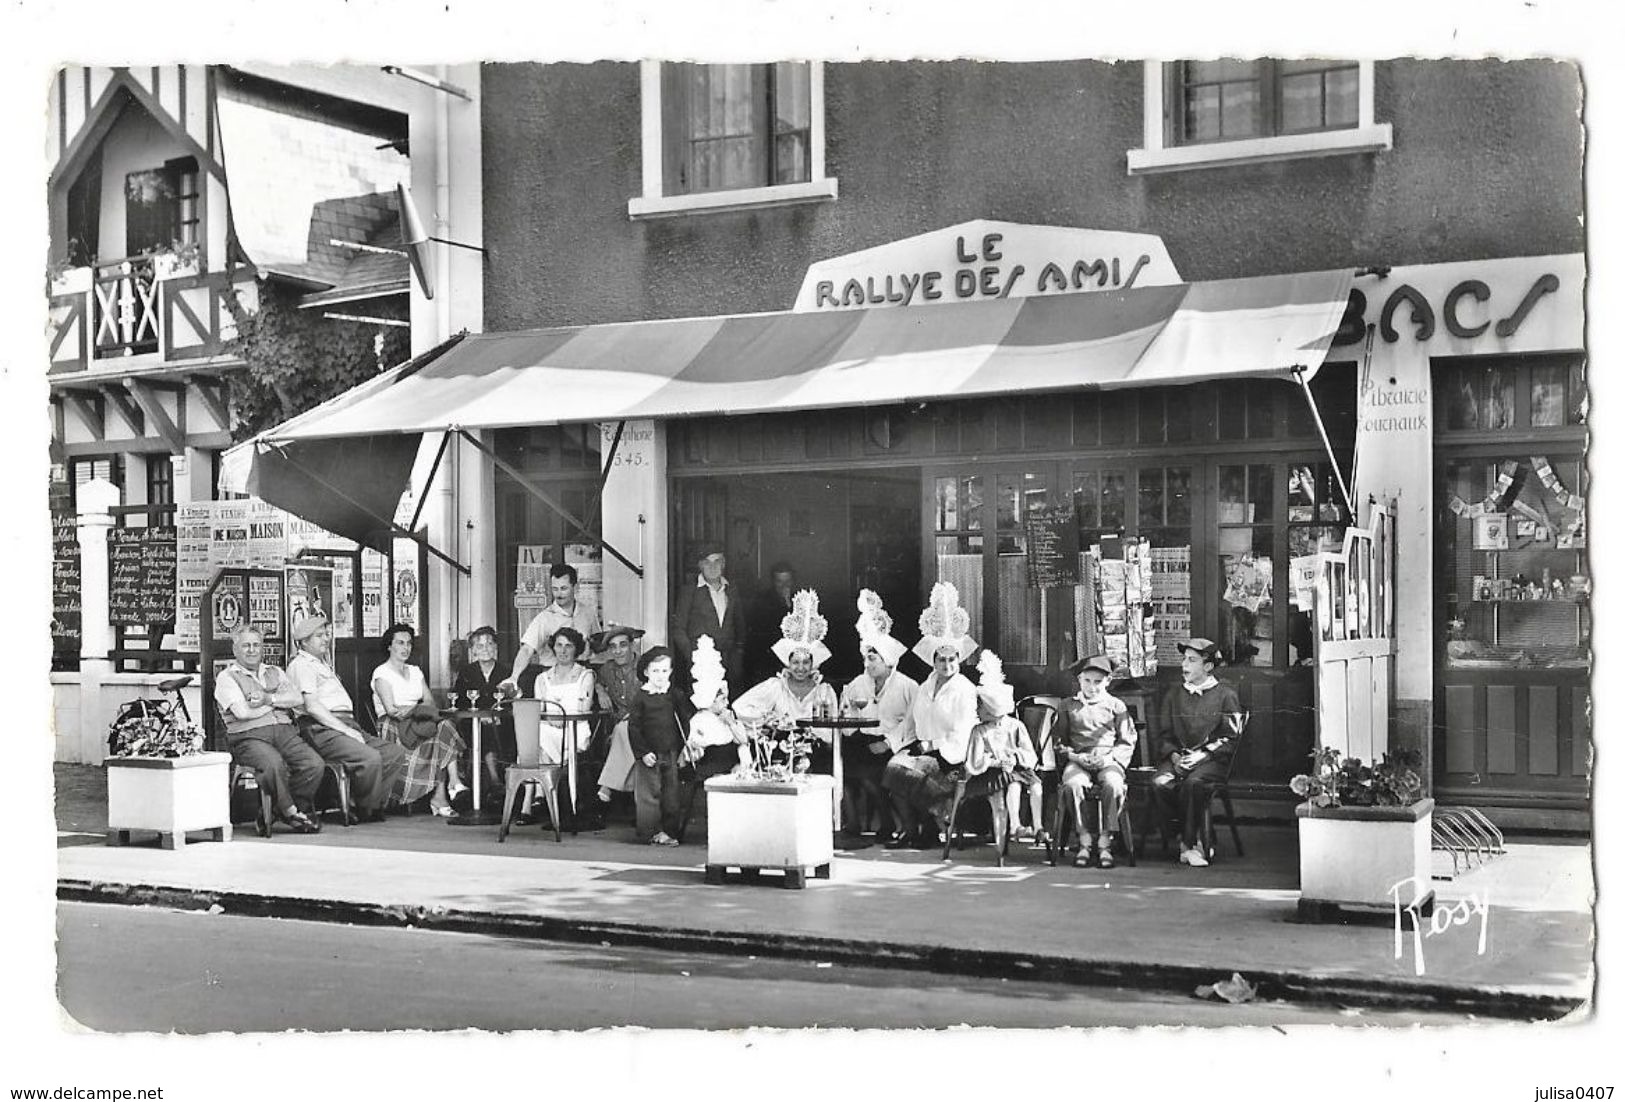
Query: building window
161,207
726,137
1207,113
108,468
160,480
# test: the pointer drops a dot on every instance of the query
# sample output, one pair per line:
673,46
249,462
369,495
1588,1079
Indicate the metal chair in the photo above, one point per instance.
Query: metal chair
990,785
1222,791
530,772
1040,715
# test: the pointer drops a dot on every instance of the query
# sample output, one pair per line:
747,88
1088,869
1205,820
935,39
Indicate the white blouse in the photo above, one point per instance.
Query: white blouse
774,695
404,689
947,718
893,707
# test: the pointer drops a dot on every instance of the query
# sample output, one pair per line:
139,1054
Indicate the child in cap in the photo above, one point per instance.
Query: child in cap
1094,744
1202,720
655,723
716,740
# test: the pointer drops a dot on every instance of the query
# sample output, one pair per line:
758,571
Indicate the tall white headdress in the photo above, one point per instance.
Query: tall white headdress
706,669
803,629
944,624
874,628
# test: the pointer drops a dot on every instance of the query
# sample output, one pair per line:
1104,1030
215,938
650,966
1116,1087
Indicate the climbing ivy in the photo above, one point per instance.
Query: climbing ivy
296,359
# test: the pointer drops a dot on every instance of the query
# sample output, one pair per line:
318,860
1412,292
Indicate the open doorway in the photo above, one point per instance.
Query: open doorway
839,531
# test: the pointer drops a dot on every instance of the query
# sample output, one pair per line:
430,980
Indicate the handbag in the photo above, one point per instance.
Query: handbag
414,729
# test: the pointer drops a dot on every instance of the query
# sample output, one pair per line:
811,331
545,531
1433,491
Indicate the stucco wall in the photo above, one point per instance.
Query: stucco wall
1486,162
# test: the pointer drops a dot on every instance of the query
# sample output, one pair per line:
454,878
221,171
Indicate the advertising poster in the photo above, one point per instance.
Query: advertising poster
230,607
343,599
265,613
309,593
407,583
588,559
530,592
228,534
372,593
267,535
192,571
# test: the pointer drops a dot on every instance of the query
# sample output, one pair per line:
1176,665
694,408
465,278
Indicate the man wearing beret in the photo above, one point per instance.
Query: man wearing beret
327,719
1202,722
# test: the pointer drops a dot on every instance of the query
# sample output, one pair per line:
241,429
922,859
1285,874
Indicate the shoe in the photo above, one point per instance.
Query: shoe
1024,834
444,812
1193,857
1083,859
605,794
453,791
663,839
1105,860
900,841
300,823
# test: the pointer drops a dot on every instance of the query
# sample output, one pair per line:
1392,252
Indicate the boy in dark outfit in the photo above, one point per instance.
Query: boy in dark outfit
656,726
1202,722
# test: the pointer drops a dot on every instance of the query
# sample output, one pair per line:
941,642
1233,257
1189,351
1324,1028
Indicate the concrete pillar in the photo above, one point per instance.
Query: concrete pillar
476,511
96,498
634,512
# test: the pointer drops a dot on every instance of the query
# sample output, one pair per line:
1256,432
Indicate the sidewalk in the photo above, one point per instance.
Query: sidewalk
1160,925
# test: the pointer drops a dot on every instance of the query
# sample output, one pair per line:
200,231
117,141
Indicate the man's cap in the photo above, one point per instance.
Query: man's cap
1092,662
602,639
709,549
1207,649
306,626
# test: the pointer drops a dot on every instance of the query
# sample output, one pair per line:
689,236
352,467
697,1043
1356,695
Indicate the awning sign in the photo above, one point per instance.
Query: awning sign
983,260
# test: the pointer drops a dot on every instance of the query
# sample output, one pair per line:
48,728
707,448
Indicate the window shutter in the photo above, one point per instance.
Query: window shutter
675,81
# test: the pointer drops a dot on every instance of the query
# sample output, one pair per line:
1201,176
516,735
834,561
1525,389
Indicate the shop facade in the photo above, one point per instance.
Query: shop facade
1231,477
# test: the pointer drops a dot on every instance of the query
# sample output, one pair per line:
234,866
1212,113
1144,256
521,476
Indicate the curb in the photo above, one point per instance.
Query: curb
1283,984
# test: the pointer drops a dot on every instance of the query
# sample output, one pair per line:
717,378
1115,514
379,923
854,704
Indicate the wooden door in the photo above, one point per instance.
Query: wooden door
1354,640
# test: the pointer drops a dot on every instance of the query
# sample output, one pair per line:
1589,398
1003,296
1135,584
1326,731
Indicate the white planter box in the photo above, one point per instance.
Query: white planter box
1365,855
169,266
73,281
170,796
769,825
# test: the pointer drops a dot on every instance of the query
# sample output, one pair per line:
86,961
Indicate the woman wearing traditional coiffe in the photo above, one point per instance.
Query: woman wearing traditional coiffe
943,717
882,694
798,691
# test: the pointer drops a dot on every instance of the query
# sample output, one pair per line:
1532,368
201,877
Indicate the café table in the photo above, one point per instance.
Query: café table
838,726
477,717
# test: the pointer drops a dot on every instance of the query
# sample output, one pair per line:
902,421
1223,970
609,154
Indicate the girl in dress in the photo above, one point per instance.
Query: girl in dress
406,715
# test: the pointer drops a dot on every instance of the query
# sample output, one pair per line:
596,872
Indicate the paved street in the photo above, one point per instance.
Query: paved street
200,972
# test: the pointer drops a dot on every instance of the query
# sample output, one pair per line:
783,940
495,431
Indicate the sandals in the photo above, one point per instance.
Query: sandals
300,823
444,812
1105,860
453,791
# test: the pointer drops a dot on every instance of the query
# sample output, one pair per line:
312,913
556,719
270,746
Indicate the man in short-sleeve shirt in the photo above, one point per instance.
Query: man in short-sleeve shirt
256,702
565,611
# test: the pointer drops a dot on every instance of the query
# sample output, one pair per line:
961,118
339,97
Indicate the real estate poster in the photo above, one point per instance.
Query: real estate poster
372,592
406,583
193,521
267,535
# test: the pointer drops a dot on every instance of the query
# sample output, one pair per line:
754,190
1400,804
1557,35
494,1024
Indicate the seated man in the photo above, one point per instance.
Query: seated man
1094,743
256,701
327,719
1202,720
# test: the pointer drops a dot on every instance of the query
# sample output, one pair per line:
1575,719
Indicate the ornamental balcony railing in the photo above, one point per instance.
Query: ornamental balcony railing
143,307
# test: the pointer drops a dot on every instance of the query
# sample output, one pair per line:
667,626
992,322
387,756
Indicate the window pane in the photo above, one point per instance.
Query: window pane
1233,495
1261,492
1343,97
1201,113
1086,499
1179,496
1301,102
947,504
1546,400
1113,510
1246,604
1577,394
1239,115
970,502
1151,498
792,93
959,561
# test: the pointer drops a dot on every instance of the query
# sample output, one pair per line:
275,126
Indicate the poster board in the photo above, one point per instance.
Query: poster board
66,586
1052,547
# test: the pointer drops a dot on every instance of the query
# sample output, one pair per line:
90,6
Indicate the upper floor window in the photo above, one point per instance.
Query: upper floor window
161,207
1200,113
731,136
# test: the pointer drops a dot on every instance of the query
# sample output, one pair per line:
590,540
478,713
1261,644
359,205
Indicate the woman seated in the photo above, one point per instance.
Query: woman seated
407,716
569,684
477,685
882,694
943,716
615,649
798,691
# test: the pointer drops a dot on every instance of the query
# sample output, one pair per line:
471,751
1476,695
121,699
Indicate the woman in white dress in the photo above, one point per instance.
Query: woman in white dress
799,690
943,717
400,699
568,684
882,694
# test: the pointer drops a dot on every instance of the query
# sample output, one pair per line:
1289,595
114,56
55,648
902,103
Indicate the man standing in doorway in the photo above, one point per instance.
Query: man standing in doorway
767,613
709,608
565,611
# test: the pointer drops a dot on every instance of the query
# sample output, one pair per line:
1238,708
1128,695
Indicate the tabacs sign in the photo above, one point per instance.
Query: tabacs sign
986,260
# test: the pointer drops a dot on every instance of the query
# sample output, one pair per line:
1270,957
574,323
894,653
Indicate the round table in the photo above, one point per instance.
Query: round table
839,725
477,717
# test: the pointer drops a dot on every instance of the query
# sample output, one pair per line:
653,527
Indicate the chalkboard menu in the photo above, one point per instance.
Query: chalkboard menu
1052,547
141,575
65,585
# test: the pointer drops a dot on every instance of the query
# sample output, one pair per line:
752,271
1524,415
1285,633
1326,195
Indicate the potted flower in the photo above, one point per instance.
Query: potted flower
160,778
177,260
70,278
1365,834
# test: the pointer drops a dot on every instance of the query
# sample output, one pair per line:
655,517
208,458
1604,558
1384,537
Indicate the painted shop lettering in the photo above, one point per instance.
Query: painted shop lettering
981,277
1462,319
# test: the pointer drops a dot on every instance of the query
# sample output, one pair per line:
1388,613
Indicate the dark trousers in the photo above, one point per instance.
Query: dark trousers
657,792
288,768
1185,798
374,765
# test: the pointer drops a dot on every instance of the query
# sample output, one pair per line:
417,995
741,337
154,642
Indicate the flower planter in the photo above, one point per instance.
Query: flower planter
755,825
169,266
1364,856
73,281
169,796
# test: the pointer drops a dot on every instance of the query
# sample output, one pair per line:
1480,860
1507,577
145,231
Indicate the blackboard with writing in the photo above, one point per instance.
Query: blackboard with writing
65,585
1052,547
141,575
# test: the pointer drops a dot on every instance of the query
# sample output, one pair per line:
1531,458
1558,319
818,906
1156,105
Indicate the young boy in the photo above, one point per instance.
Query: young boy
654,727
1094,743
1202,720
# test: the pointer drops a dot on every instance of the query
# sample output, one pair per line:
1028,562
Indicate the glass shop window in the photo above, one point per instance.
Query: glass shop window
958,531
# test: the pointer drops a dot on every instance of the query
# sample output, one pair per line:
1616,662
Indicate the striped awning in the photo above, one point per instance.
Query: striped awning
760,363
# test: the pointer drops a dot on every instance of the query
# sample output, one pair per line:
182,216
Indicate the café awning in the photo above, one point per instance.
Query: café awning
760,363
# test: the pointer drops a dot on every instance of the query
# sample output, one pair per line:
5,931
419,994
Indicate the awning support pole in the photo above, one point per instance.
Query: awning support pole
546,499
391,525
1325,441
423,498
